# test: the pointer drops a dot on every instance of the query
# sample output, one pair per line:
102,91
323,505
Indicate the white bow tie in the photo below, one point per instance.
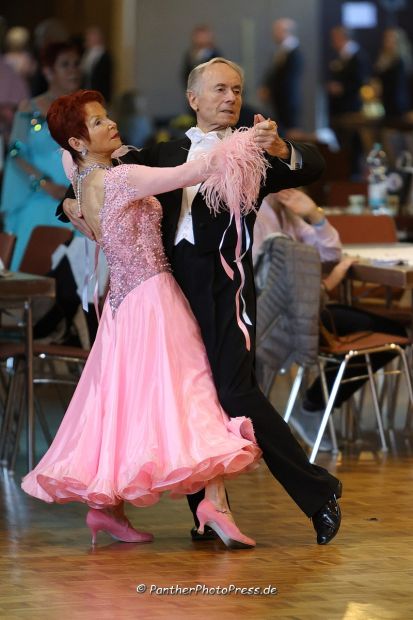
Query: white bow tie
196,135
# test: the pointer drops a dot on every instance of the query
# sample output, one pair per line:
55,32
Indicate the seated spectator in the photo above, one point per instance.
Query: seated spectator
47,32
13,90
34,179
17,53
285,212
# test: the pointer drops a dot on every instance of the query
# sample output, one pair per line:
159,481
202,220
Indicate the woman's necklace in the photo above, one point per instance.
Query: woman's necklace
80,176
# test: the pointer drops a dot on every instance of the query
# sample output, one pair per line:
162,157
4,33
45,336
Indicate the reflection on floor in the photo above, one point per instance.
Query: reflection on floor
48,569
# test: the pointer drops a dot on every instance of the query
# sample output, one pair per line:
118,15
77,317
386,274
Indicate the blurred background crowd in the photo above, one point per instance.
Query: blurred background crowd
334,71
339,74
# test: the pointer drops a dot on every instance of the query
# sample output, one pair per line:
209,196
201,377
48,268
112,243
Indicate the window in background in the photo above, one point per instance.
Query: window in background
359,15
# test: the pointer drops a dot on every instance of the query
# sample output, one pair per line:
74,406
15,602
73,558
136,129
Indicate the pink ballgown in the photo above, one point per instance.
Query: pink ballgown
145,416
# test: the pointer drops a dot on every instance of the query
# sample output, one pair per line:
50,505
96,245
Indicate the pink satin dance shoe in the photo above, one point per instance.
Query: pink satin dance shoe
98,520
222,525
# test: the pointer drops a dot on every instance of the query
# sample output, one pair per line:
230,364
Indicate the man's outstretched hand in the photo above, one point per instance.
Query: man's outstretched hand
266,135
71,211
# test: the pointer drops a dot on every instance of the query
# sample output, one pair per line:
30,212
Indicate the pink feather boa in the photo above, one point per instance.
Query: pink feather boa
239,167
69,165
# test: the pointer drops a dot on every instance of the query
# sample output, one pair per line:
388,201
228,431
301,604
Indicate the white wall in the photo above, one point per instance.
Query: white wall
243,34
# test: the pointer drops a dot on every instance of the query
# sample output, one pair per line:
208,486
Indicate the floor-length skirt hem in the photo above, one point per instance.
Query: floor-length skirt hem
145,417
142,490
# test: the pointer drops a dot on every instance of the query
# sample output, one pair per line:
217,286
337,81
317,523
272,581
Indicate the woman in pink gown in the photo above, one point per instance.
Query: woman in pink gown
145,416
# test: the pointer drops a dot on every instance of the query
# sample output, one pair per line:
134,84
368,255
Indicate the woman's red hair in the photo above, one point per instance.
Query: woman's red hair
66,118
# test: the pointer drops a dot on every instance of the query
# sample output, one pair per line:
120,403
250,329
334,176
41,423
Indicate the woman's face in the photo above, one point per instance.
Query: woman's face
65,74
103,132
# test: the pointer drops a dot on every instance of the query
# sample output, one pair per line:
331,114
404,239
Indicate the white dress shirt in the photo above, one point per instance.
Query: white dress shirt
202,142
348,50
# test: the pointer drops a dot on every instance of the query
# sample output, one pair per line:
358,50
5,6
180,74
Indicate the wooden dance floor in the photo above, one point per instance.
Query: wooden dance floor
50,571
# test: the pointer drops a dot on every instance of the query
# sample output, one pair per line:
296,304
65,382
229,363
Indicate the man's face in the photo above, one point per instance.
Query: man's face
338,39
280,31
202,38
218,102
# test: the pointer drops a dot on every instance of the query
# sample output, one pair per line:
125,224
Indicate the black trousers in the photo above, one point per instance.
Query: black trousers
348,320
211,294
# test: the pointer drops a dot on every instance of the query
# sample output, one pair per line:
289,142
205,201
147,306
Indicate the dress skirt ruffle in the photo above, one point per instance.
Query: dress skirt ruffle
145,416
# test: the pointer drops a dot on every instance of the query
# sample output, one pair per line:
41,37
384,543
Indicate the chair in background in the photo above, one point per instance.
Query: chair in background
337,168
404,225
381,300
288,283
366,228
42,243
341,350
37,257
49,357
339,191
370,229
338,163
288,276
46,357
7,243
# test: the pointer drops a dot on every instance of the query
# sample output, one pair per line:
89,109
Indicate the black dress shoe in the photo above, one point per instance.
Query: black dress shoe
327,519
208,534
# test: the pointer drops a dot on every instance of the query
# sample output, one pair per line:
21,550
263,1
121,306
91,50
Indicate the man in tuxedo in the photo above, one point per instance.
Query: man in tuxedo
196,242
96,63
201,50
347,74
281,84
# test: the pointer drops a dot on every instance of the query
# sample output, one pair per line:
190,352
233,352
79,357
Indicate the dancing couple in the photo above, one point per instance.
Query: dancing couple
146,416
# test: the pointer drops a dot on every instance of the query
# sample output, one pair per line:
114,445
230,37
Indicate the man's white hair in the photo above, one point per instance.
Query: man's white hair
195,77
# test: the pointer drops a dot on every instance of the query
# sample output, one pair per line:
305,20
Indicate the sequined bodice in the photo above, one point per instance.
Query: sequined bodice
130,236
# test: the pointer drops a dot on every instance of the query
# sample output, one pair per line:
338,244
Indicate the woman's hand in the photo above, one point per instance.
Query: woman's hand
338,274
71,211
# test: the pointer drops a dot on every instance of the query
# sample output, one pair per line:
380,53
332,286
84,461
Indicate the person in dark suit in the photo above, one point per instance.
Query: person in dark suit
97,63
201,50
199,244
282,82
393,69
347,74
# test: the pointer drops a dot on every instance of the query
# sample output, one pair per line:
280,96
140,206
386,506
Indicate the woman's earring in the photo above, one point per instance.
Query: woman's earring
83,152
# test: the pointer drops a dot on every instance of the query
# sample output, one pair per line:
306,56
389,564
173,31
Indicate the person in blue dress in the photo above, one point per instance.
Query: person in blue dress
34,180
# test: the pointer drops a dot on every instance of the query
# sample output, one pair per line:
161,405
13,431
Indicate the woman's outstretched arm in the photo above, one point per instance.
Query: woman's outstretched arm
148,181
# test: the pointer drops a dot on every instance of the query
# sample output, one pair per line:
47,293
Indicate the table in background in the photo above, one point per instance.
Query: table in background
18,290
376,265
388,264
